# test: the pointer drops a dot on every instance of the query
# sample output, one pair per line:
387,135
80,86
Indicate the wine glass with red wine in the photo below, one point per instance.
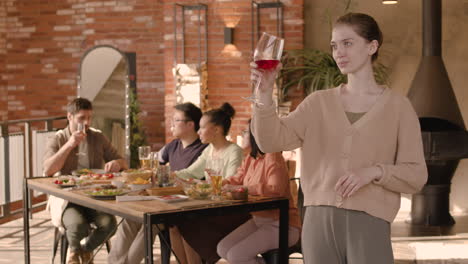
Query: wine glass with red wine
267,55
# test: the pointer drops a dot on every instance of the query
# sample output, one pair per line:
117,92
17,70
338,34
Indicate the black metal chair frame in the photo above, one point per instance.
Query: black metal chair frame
61,238
272,256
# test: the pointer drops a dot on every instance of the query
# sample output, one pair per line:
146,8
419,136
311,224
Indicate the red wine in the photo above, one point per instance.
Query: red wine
267,64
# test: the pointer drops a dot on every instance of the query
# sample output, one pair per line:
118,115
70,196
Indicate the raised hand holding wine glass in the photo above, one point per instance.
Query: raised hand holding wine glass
267,56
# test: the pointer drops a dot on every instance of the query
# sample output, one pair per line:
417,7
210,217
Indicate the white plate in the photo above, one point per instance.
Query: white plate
65,185
97,196
136,187
65,177
101,171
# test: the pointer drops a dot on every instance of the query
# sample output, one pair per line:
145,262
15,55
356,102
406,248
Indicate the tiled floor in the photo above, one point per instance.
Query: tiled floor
430,245
41,239
439,246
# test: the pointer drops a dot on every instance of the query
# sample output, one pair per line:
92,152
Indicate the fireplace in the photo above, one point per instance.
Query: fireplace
444,136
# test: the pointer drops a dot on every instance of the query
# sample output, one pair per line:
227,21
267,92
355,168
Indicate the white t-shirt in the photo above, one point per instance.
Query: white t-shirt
83,160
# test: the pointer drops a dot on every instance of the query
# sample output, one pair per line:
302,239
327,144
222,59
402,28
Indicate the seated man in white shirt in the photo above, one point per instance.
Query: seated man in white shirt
61,158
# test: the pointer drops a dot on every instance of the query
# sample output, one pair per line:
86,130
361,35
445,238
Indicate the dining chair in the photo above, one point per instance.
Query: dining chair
60,237
165,242
272,256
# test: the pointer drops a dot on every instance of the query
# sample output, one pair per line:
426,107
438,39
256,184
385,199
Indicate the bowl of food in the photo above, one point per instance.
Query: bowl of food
240,194
131,175
199,190
140,184
236,192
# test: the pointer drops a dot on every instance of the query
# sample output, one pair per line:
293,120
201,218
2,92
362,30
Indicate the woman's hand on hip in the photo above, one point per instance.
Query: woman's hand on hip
351,182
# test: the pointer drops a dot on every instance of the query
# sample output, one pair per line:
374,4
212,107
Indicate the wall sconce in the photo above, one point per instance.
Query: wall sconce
228,35
389,2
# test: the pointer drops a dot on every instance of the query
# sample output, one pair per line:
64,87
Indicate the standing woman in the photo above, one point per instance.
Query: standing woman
361,147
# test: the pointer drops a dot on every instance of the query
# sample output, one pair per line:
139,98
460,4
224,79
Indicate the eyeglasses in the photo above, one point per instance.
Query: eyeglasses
180,120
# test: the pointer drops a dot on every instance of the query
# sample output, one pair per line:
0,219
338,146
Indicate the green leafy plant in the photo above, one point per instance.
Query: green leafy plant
312,70
137,133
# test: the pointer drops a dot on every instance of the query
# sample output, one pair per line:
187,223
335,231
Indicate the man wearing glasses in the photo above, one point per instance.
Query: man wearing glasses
129,245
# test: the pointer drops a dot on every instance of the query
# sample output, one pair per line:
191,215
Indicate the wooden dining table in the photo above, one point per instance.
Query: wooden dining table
152,212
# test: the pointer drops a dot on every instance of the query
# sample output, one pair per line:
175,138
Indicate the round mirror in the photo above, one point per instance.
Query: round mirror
103,79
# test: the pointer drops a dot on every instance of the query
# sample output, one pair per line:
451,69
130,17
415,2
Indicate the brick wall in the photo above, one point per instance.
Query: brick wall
228,65
3,83
41,44
46,39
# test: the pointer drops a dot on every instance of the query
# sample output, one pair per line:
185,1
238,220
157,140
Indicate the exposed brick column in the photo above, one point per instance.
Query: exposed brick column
228,65
3,83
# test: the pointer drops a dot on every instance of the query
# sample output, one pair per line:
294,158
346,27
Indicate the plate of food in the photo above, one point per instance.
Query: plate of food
83,172
95,175
171,198
106,193
65,181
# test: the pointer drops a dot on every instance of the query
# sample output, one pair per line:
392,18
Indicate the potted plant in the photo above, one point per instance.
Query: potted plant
313,70
137,133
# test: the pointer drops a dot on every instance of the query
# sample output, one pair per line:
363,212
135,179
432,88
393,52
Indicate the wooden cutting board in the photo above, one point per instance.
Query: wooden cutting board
157,191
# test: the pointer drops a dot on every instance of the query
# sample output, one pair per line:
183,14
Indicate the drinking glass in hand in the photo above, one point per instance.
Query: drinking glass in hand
154,159
144,154
82,128
267,55
214,171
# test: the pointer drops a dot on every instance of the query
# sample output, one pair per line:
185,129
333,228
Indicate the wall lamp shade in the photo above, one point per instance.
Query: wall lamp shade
228,35
389,2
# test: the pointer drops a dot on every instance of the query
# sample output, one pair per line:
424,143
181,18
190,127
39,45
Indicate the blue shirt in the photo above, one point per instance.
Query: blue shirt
180,157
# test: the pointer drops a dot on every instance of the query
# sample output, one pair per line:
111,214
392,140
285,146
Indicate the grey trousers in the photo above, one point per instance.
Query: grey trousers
128,247
77,221
334,235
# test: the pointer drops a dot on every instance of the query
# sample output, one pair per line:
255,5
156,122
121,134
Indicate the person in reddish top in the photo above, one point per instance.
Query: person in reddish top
264,174
361,145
